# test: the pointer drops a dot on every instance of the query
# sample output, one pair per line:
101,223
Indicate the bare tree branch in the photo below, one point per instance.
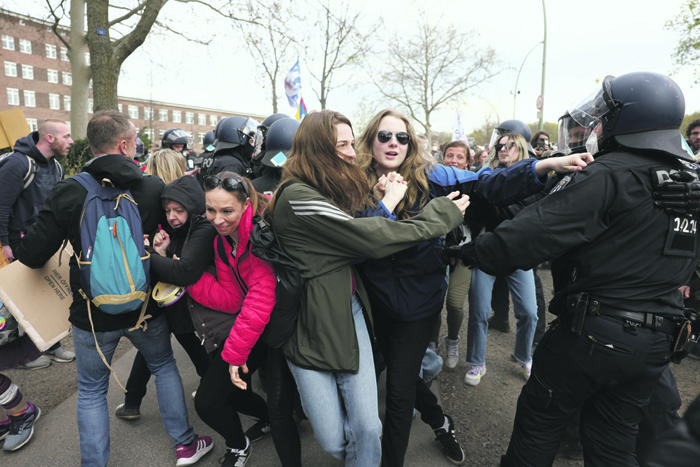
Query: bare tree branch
178,33
54,26
131,13
218,10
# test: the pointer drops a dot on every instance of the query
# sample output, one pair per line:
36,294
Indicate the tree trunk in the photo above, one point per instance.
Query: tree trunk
274,97
80,89
105,72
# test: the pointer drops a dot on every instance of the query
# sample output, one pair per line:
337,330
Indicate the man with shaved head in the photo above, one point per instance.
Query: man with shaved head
27,176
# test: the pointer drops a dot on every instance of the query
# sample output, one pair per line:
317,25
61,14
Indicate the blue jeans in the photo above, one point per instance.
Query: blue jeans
93,383
352,433
522,288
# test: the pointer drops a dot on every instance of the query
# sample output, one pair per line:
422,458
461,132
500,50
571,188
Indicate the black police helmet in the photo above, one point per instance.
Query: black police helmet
273,118
174,136
208,139
233,132
644,111
279,141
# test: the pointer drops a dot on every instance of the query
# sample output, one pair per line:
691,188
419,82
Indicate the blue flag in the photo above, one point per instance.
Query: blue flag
292,85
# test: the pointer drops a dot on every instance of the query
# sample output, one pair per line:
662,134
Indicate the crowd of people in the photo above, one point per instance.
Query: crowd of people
384,236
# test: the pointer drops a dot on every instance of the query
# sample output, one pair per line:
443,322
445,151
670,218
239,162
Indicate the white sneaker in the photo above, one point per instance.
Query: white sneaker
473,376
60,355
451,352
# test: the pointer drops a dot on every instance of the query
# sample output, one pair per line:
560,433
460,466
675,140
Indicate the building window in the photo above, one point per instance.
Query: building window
22,22
51,51
54,102
189,118
190,135
90,105
120,107
67,78
149,133
66,103
11,69
201,138
8,42
163,115
134,111
148,113
52,76
177,116
27,72
12,96
64,54
212,120
160,134
90,83
29,99
25,46
87,58
33,124
202,119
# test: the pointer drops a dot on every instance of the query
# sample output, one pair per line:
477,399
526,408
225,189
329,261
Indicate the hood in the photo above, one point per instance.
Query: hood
27,145
188,192
121,170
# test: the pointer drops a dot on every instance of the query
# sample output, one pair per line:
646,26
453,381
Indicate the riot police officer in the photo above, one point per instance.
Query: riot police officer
277,144
619,261
204,160
177,140
234,146
260,140
513,126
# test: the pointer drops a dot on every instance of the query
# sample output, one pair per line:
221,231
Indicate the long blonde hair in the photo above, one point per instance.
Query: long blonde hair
167,164
520,143
413,169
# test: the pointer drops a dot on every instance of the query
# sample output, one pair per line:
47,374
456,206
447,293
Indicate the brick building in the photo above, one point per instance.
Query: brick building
37,78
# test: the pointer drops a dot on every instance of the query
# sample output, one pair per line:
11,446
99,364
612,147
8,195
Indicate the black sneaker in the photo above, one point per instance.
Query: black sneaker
258,431
236,457
127,413
450,447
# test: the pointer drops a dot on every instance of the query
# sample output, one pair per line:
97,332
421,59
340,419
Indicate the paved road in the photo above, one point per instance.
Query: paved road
144,442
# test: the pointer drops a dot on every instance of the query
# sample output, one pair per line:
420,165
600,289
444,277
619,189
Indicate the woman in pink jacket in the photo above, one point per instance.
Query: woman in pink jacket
230,311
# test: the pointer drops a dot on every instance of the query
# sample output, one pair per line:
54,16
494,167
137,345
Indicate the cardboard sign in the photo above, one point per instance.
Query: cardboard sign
39,299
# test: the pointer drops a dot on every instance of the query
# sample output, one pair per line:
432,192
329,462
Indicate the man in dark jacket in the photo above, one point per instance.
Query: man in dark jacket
112,138
34,162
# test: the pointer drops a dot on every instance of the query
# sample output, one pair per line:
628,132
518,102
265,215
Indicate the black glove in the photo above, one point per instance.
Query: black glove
681,196
465,253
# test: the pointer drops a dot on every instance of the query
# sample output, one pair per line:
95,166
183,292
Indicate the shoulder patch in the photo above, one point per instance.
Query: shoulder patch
562,183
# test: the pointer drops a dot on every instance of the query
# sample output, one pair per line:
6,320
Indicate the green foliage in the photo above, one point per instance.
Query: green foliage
687,25
79,154
5,150
147,142
687,119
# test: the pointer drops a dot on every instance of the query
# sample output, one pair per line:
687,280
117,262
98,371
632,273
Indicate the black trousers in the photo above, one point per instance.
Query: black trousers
218,401
403,344
608,372
140,374
281,395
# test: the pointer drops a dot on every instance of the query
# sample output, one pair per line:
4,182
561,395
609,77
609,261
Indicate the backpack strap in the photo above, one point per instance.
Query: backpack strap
221,249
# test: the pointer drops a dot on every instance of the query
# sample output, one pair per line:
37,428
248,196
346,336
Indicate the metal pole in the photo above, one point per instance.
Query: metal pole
544,62
515,93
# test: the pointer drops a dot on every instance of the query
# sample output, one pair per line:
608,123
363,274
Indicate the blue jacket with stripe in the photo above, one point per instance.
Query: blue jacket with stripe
411,284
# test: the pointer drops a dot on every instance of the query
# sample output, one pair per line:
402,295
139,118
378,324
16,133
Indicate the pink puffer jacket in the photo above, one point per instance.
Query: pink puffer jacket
225,294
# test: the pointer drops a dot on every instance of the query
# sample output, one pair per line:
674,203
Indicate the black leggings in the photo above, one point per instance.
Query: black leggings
218,401
140,374
281,394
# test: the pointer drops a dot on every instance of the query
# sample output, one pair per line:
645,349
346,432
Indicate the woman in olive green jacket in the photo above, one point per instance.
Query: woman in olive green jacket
330,353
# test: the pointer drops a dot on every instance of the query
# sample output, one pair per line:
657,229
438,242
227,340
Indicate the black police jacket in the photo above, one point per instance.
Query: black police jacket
234,162
604,234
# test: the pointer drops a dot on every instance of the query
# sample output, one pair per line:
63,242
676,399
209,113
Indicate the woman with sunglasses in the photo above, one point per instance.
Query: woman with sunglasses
511,149
407,289
330,353
230,311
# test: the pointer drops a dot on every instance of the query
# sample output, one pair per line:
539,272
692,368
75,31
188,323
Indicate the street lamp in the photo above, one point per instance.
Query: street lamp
544,61
515,93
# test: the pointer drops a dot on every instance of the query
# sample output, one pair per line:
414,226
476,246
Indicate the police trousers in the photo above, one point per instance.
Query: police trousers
608,372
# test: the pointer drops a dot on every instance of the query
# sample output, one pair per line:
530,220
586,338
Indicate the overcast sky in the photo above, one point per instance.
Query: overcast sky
585,41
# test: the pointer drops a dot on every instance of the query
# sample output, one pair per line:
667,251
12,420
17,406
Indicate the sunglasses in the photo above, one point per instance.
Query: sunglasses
228,184
401,136
508,146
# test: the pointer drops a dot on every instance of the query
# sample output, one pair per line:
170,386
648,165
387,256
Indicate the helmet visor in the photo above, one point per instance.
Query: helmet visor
249,129
588,112
572,136
259,139
496,135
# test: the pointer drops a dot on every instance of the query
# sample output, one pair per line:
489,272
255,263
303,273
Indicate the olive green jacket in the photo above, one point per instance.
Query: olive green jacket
325,242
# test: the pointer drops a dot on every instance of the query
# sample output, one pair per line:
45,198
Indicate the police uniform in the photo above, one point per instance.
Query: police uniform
618,263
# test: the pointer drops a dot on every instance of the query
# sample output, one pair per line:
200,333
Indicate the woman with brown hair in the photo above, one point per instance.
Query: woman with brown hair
407,289
330,354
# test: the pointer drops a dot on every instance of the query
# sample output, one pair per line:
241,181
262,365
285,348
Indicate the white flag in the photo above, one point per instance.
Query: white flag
292,85
458,133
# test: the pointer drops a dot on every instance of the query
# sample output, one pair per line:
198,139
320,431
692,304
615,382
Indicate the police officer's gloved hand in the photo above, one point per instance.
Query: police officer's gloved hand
465,253
681,196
